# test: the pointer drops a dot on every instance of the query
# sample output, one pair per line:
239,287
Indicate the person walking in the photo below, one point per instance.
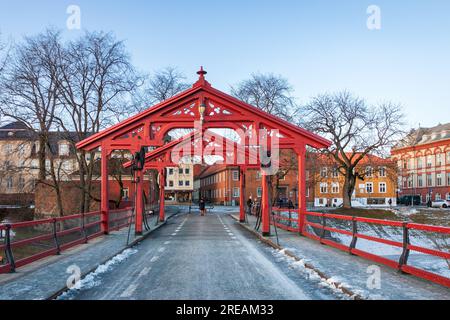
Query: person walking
202,206
249,205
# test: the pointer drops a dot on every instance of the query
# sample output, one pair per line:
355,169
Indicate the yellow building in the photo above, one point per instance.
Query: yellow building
19,166
376,185
179,183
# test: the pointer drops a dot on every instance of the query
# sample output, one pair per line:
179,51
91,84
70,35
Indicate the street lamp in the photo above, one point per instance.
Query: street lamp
201,110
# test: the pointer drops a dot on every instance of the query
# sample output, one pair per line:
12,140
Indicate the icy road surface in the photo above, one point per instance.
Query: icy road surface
195,257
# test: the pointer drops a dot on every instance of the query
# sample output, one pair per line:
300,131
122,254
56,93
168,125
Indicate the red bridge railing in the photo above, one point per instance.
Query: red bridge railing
348,226
29,241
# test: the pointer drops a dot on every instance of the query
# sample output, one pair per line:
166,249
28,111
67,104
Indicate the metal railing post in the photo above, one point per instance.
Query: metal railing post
9,253
354,232
324,224
290,218
406,241
55,237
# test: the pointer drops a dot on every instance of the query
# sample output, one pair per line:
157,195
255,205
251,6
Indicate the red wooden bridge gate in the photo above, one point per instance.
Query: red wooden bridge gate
203,107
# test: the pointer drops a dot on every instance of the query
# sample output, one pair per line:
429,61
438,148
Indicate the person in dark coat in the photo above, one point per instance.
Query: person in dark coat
249,205
202,206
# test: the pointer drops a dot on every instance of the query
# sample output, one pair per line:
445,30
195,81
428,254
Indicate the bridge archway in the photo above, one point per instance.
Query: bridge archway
203,107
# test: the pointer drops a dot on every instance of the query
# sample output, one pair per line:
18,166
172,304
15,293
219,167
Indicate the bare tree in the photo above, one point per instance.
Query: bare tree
269,93
30,95
30,88
96,76
165,84
356,130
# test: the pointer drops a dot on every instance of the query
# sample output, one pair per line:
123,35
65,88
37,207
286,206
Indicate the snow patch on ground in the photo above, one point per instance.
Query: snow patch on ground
335,284
310,274
404,211
93,278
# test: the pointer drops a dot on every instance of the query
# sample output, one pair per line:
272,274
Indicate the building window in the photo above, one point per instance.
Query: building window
382,171
21,183
9,183
324,172
236,192
429,161
448,157
180,170
369,172
420,181
187,171
369,187
419,163
170,171
324,187
259,192
447,196
448,178
429,180
258,175
170,183
180,183
187,183
335,172
235,175
335,188
126,193
439,179
438,196
382,187
64,149
410,182
438,160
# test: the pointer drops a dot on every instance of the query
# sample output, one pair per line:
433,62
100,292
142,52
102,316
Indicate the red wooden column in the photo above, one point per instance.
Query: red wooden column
104,207
301,159
139,201
162,182
242,195
265,207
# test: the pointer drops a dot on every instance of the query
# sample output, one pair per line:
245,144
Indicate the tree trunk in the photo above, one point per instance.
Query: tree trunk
56,186
349,187
41,157
88,183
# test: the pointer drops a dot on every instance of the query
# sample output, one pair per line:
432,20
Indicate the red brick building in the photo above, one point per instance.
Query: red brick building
220,183
423,159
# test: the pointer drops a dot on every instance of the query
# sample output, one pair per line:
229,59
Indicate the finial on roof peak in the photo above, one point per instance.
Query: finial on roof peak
201,72
201,79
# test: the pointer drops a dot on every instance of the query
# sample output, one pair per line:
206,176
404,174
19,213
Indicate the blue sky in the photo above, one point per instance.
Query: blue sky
320,46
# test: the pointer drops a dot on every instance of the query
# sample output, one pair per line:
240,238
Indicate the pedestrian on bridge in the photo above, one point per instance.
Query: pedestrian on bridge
202,206
249,205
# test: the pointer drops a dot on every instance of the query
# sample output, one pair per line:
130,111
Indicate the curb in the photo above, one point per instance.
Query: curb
322,275
130,245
